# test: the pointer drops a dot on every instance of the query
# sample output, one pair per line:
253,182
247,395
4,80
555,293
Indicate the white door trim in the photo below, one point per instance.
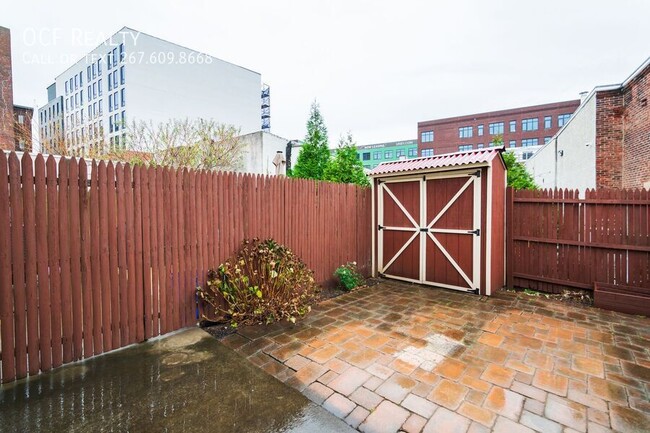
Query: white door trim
400,205
451,202
454,264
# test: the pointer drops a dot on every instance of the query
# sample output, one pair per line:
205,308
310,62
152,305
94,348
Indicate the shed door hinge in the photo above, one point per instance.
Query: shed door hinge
477,173
476,232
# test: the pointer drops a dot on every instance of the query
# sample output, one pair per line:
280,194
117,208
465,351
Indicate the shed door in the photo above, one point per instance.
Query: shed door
429,229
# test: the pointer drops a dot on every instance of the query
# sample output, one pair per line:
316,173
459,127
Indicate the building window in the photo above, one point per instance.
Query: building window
366,155
548,122
90,94
530,124
377,155
110,124
115,56
99,67
67,89
94,90
101,106
88,73
427,152
122,77
513,126
122,97
527,142
496,128
479,146
399,153
513,143
526,155
109,60
94,71
114,78
99,87
562,119
413,152
465,132
547,139
81,96
121,52
427,137
388,154
466,147
479,130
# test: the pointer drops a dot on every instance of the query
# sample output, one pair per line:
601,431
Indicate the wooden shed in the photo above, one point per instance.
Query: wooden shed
440,220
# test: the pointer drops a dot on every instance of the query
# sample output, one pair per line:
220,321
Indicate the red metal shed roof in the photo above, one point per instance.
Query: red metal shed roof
438,161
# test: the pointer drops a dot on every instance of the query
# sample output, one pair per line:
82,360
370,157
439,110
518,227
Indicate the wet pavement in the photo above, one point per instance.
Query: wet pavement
401,357
185,382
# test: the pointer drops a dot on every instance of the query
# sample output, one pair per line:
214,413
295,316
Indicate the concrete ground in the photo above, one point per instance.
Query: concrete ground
184,382
402,357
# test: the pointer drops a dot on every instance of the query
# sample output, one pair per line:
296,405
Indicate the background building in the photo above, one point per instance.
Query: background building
23,127
525,127
372,155
6,92
260,149
606,144
15,120
133,76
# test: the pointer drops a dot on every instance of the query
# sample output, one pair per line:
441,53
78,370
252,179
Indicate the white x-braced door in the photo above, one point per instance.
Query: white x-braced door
429,229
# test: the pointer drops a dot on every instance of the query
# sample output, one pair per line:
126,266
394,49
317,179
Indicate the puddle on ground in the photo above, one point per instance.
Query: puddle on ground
185,382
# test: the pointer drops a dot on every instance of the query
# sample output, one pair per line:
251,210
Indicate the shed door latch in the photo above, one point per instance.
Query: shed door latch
476,232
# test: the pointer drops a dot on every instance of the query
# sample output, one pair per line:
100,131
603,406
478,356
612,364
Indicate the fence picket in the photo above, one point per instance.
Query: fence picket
74,236
30,265
44,308
6,290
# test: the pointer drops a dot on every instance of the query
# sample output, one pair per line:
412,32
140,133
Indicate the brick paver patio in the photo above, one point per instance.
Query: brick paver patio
397,357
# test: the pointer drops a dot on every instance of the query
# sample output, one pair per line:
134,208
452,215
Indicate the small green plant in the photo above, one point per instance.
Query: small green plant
348,276
263,283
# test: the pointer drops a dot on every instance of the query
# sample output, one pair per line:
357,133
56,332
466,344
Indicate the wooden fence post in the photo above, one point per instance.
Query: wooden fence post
510,198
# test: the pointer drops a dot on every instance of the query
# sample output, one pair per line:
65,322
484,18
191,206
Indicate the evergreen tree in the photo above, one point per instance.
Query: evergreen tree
346,167
314,154
518,176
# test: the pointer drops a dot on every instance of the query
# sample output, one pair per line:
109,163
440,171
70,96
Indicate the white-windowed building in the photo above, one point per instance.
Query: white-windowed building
133,76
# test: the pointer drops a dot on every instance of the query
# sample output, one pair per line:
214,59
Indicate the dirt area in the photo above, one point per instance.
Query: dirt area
569,296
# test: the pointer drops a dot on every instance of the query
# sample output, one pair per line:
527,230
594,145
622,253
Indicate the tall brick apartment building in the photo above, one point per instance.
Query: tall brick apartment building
606,144
15,120
523,129
6,92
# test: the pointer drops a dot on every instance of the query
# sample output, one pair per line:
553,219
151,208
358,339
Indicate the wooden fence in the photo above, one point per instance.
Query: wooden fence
556,240
97,256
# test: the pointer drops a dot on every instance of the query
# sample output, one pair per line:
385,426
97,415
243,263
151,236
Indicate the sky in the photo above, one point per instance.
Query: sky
376,68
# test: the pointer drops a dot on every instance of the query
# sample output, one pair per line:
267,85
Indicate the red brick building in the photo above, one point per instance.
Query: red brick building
7,141
520,127
605,144
23,127
623,132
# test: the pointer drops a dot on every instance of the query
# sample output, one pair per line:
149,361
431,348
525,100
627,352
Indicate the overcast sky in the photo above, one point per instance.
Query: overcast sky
375,67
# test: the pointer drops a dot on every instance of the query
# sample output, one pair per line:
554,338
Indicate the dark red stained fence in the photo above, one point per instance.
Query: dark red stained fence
96,257
556,240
